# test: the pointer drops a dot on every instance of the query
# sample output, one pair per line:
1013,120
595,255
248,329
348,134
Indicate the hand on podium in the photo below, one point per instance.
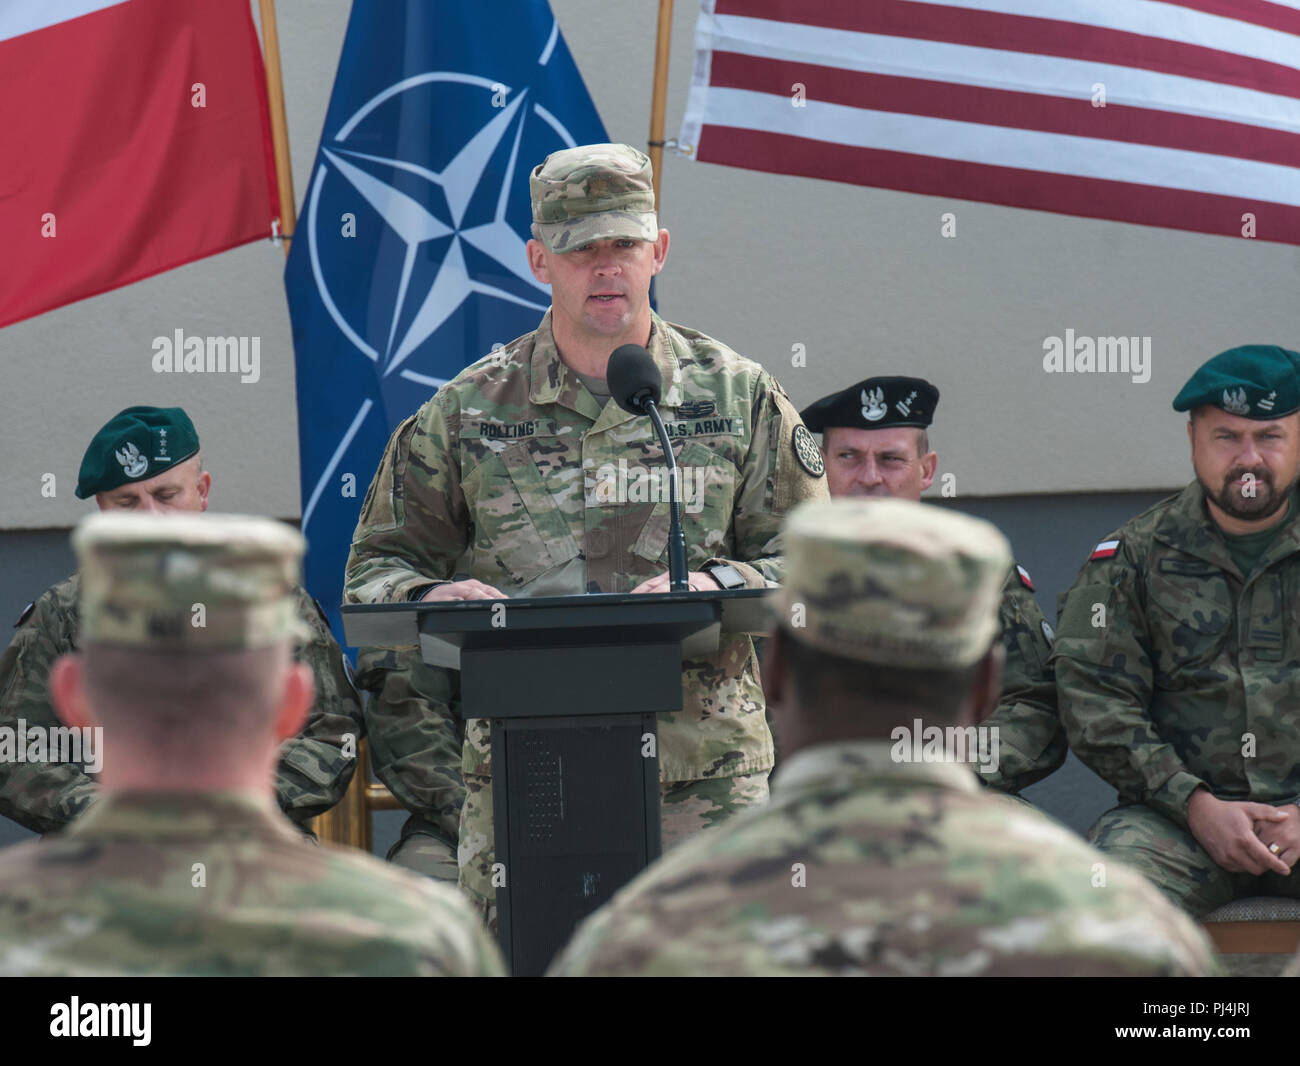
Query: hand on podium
463,590
699,581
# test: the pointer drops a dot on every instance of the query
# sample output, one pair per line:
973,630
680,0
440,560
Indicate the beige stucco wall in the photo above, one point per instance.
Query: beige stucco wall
862,278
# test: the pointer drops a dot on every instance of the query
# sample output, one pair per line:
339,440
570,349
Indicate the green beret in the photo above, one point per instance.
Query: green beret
1259,381
135,445
876,403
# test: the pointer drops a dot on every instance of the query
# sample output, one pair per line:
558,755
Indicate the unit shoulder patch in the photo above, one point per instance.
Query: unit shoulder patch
807,452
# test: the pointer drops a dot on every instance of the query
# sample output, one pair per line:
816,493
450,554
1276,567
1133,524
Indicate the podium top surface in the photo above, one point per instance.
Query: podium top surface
399,624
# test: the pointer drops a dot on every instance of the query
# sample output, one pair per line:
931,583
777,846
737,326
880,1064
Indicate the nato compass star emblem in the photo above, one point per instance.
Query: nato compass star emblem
436,227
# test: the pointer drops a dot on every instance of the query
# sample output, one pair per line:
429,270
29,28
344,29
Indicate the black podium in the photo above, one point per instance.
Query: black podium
571,685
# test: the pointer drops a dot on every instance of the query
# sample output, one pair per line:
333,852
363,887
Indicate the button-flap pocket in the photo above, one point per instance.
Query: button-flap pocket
1200,601
708,492
518,522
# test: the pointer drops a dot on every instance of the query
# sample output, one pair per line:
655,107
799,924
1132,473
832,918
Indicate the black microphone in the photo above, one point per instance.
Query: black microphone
636,385
633,378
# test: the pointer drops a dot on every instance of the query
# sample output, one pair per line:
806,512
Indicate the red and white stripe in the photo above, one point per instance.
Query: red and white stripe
1104,550
988,100
101,145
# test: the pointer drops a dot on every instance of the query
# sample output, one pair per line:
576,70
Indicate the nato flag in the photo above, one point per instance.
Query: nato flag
408,262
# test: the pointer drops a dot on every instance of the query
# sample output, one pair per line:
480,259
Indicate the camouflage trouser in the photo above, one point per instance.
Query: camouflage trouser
422,850
1175,863
686,808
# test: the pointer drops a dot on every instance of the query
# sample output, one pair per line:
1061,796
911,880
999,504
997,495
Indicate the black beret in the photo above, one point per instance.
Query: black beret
876,403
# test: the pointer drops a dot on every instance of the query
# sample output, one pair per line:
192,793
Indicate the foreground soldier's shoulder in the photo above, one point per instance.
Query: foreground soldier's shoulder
409,900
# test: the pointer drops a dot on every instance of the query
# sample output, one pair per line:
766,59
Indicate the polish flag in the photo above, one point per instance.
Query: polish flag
134,137
1104,550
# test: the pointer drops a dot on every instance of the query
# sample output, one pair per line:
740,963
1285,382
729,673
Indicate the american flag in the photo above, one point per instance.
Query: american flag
1181,114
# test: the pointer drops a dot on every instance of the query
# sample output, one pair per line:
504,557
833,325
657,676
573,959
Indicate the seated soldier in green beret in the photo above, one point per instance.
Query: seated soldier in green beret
146,460
183,866
1178,650
875,442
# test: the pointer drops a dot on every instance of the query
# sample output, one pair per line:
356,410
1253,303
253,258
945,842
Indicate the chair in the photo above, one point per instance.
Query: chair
349,821
1257,925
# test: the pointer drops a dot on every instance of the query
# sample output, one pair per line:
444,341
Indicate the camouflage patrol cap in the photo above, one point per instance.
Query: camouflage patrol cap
195,582
892,581
1258,381
134,445
591,193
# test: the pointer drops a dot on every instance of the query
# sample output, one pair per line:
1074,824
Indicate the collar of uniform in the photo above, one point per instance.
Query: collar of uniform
1188,527
867,758
157,815
553,382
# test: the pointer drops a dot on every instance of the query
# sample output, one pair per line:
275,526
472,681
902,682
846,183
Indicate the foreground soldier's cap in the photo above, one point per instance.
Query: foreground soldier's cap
593,192
135,445
892,581
1259,381
876,403
195,582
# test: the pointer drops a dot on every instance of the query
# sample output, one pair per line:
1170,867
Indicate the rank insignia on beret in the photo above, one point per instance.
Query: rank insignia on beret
27,613
807,452
1104,550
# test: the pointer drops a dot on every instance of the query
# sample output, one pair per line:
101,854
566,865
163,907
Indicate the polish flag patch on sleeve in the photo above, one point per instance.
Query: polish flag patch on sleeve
1024,577
1104,550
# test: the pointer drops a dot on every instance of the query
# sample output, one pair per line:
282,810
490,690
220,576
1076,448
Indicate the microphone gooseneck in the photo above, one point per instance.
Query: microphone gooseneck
636,385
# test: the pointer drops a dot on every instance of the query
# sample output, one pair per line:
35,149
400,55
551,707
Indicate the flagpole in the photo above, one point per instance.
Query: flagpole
658,99
348,821
279,124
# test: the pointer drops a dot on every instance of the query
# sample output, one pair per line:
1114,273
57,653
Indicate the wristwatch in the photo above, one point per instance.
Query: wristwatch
726,575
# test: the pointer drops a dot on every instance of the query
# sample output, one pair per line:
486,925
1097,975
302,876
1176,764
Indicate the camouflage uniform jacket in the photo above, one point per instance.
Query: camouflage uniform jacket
859,865
313,773
1031,739
515,461
1191,675
219,884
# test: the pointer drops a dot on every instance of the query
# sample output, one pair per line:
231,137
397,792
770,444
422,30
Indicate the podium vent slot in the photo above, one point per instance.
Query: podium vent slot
543,788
